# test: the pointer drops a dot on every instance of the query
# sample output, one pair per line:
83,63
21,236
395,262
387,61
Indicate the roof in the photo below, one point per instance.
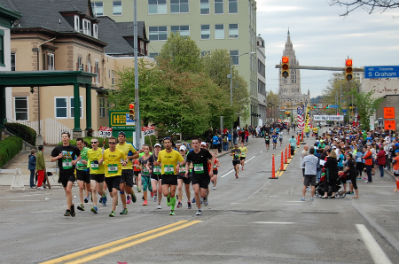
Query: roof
47,12
118,34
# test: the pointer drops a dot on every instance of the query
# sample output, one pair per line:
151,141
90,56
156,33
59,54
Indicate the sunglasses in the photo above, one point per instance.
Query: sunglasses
94,142
112,143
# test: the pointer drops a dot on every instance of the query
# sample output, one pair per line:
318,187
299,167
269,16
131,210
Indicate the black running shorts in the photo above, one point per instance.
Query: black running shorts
82,175
202,180
113,182
64,179
169,179
185,180
310,180
97,177
235,162
127,177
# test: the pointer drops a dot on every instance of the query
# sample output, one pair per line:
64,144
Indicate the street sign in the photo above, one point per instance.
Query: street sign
388,113
333,106
105,131
390,125
381,72
118,121
328,118
149,130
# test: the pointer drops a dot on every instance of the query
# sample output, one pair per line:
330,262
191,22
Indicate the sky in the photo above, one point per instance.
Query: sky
321,37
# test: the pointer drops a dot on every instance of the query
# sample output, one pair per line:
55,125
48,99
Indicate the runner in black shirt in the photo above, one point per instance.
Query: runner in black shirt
66,156
235,153
200,159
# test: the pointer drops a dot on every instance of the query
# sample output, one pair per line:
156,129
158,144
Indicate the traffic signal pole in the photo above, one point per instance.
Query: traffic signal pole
320,68
138,129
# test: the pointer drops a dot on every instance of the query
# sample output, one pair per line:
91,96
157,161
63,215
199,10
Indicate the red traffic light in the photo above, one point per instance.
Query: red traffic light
131,106
349,62
285,59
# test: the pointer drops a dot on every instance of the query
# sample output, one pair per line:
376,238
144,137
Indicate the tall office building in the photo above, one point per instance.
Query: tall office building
212,24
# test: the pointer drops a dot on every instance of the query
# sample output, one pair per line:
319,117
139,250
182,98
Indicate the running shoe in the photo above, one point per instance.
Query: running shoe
302,199
86,200
194,200
94,209
128,199
179,204
112,214
205,201
81,207
101,200
104,200
133,198
144,203
171,212
124,212
72,210
67,213
159,206
198,213
189,205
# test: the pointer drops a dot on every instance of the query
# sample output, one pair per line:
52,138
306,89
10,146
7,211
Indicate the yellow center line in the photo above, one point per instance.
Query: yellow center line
110,244
131,244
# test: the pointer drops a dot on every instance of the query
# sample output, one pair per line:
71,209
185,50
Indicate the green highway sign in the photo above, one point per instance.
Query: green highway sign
119,120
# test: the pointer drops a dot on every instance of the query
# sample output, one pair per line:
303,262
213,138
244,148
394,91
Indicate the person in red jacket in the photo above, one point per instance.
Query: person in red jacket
368,162
381,160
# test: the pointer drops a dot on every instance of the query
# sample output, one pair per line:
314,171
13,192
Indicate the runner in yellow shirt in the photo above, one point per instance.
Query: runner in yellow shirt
127,170
96,172
243,153
113,161
169,159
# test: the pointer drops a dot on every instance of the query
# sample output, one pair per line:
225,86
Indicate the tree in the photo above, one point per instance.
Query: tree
366,106
371,5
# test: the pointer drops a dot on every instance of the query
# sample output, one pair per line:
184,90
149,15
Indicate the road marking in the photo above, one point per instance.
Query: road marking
110,244
131,244
274,223
226,174
373,247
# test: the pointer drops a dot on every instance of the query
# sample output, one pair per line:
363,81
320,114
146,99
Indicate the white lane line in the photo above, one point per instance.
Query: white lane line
274,223
226,174
373,247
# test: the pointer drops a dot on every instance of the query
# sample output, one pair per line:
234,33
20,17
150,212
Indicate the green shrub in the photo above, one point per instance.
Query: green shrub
9,147
26,133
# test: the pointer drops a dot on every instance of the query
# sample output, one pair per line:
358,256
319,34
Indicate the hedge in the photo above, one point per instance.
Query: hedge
9,147
26,133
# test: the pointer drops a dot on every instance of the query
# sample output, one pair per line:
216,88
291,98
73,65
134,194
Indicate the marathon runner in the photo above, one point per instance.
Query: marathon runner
243,154
267,139
82,174
156,176
66,156
274,140
145,160
216,165
235,153
183,179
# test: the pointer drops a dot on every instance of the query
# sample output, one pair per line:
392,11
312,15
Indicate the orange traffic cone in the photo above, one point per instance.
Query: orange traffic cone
397,184
273,168
286,156
288,149
298,141
282,168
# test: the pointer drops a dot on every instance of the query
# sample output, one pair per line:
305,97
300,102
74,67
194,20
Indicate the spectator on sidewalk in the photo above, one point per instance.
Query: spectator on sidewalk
310,164
381,160
32,167
40,167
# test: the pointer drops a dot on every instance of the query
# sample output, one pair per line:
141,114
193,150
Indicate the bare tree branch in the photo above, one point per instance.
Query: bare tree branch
371,5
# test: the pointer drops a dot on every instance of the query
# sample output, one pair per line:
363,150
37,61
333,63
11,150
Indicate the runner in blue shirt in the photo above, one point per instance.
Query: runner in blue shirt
274,140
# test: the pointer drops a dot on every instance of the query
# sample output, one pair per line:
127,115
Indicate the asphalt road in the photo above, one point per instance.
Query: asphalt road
249,220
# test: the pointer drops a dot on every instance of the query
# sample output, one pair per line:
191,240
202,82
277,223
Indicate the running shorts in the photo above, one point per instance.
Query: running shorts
169,179
155,177
185,180
136,173
146,183
83,175
202,180
310,180
235,162
113,182
215,171
242,158
127,177
267,142
64,179
97,177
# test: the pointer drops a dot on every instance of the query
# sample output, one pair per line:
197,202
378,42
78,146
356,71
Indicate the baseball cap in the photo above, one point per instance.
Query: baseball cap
157,145
182,148
203,144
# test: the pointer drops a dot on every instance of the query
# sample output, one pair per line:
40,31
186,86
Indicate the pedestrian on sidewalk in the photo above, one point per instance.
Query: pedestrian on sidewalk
381,160
310,164
40,167
32,167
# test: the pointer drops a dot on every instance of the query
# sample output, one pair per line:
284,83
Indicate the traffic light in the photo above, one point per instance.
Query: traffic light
131,111
349,69
315,106
285,66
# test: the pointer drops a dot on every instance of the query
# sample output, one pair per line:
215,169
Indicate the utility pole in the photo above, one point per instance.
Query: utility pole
138,129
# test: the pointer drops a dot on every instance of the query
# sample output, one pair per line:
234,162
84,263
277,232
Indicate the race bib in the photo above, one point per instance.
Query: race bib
94,166
67,164
157,170
112,168
145,171
182,169
81,165
169,169
198,168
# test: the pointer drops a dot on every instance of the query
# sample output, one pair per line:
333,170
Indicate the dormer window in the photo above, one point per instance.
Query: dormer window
86,27
95,30
77,25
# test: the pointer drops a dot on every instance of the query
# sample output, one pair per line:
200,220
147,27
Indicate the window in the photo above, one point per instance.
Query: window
97,72
50,61
261,87
98,8
1,47
117,8
21,108
219,31
204,7
72,107
86,27
95,31
77,25
157,6
158,33
261,68
219,6
205,31
79,65
12,61
179,6
89,65
112,78
233,6
182,30
61,107
233,30
234,57
102,107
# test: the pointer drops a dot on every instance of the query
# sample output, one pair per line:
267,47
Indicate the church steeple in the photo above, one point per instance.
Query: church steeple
288,44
